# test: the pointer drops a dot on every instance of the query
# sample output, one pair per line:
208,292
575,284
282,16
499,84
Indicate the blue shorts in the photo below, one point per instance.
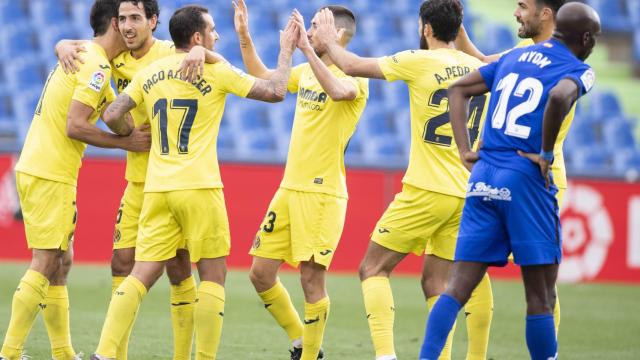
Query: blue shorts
509,211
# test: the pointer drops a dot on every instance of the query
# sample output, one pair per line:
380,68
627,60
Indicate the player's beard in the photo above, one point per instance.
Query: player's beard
529,31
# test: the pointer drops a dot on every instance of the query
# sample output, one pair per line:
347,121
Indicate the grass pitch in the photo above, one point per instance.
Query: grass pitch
598,321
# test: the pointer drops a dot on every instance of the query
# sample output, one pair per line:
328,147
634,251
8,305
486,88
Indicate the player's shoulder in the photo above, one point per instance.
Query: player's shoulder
163,48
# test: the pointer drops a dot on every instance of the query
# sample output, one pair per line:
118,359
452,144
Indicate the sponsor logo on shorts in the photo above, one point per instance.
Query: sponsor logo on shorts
256,242
318,181
326,252
384,231
117,236
488,192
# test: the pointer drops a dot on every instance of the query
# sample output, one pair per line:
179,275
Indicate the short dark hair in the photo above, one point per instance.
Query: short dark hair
554,5
444,16
344,18
102,11
150,8
185,22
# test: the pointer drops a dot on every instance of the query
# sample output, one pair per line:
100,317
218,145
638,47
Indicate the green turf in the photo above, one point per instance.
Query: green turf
599,321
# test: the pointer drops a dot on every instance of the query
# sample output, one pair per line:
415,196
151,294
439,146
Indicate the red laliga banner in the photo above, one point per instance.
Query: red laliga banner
601,219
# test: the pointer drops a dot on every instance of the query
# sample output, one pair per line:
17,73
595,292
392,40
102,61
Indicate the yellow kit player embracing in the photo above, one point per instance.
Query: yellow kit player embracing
46,177
183,203
304,221
424,218
137,20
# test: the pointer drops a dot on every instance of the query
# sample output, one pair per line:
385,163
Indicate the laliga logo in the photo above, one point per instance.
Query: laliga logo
587,234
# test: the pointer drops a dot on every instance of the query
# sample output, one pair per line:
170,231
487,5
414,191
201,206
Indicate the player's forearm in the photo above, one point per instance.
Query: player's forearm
211,57
464,44
352,64
458,115
66,43
91,135
329,82
280,77
251,59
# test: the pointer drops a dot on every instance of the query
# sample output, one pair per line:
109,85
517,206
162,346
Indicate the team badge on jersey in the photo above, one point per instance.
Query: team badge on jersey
97,81
588,79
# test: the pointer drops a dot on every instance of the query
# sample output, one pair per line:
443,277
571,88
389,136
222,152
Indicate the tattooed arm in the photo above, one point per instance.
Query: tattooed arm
114,115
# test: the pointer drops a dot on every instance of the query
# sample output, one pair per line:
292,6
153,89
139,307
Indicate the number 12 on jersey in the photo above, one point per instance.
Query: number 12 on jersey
189,108
506,87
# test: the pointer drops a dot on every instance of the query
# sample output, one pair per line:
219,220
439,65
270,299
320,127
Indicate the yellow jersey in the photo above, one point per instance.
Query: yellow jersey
434,162
558,169
125,67
185,119
321,131
48,152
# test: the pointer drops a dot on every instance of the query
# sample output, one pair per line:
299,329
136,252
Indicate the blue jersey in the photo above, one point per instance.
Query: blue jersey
520,83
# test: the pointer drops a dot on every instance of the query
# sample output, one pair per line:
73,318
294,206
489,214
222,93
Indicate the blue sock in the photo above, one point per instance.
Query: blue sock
441,319
541,337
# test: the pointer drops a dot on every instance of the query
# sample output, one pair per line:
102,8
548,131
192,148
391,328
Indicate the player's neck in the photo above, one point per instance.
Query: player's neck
437,44
144,49
545,34
108,46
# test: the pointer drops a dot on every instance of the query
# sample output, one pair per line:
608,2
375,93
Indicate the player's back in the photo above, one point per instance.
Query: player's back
521,82
185,120
434,163
48,152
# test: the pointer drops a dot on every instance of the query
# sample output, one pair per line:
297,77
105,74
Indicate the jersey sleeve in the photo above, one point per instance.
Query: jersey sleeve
402,65
584,77
294,78
91,82
233,80
134,89
488,73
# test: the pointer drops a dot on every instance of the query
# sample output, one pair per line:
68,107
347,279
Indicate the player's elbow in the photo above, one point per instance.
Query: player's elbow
342,95
73,130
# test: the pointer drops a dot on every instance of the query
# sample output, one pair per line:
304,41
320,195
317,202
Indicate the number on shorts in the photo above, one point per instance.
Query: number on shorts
271,222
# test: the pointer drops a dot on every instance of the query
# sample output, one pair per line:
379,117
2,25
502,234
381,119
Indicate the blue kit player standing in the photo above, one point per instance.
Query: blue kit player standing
511,204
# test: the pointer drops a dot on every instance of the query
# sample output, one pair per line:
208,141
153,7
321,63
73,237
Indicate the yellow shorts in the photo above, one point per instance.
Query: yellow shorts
49,211
126,230
420,221
192,219
301,225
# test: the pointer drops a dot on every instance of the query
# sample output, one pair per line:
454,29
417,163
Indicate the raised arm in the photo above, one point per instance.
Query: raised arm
459,94
350,63
337,89
79,128
275,89
68,53
252,61
464,44
560,100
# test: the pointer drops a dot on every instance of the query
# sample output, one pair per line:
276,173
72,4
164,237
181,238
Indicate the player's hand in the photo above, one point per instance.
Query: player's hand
469,158
326,32
241,18
545,166
192,67
68,53
289,37
303,40
140,139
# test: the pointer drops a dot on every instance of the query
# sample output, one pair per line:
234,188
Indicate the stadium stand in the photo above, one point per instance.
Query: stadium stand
259,133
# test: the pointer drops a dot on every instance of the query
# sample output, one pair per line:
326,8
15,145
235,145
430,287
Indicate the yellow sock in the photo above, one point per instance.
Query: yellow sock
278,302
479,312
446,351
27,299
123,348
121,315
378,302
183,301
315,321
55,314
208,318
116,281
556,313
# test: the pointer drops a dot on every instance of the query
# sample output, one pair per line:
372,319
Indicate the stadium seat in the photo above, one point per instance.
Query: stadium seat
20,39
625,161
613,15
396,94
51,12
25,72
581,134
590,160
379,122
50,38
496,39
387,147
636,45
14,11
604,105
618,134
